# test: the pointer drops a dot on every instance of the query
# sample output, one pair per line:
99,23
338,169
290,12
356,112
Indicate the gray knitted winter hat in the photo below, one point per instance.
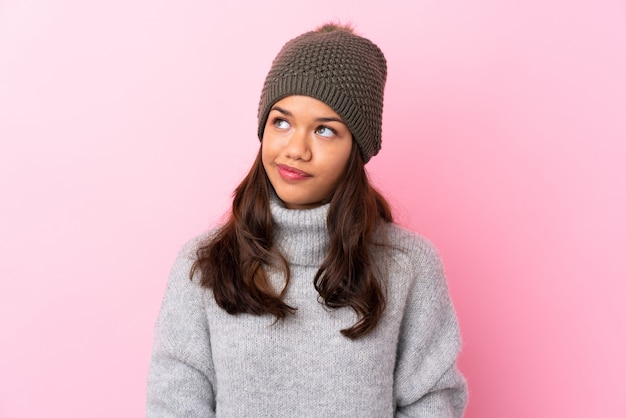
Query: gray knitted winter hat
343,70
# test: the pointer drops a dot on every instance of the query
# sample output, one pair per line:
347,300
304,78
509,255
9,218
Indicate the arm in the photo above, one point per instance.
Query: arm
181,378
427,381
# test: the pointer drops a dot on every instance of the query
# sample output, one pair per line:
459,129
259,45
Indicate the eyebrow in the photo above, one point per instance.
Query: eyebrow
326,119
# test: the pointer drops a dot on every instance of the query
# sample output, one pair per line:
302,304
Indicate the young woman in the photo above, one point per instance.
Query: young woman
309,301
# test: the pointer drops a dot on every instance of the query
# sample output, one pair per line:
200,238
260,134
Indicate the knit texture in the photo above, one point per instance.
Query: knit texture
207,363
339,68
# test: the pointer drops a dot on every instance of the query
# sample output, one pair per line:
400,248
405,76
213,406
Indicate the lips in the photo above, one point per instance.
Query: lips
291,173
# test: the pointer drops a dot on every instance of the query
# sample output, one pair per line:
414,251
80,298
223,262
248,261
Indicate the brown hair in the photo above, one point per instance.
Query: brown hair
231,262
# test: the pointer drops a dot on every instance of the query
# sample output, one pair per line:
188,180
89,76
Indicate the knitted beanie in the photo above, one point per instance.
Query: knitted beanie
345,71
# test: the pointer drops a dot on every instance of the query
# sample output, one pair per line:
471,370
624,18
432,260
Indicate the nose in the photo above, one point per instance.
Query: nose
298,147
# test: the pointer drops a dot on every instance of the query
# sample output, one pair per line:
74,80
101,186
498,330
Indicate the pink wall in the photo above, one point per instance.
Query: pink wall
124,126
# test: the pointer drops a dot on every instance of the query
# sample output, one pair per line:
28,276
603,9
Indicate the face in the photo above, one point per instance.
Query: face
305,151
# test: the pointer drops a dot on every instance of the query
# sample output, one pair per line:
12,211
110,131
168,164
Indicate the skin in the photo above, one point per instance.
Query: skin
305,151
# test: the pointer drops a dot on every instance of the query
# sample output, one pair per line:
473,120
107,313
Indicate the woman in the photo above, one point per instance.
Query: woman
309,301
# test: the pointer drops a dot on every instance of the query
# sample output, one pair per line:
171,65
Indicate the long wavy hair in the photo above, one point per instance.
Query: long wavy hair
231,262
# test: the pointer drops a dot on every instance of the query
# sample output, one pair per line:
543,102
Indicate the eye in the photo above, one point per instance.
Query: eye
280,123
325,131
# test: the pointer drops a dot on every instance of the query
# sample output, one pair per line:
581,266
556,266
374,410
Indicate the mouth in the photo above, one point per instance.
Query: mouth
291,173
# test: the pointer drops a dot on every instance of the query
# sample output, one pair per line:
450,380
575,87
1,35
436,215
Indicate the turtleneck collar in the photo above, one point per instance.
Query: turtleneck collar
300,234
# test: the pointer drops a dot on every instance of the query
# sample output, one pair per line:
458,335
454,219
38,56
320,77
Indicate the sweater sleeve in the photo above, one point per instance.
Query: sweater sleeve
181,380
427,380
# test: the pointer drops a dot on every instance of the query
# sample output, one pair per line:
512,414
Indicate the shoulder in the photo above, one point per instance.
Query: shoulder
411,263
189,250
188,255
408,247
418,281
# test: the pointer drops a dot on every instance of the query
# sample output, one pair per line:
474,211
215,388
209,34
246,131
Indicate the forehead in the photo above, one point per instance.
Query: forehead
305,105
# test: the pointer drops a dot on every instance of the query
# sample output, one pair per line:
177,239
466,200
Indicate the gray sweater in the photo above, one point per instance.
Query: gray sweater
207,363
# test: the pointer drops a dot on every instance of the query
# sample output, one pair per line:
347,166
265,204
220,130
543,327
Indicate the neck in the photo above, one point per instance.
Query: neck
300,235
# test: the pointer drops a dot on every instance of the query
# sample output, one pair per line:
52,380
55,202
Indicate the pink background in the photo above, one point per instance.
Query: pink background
125,126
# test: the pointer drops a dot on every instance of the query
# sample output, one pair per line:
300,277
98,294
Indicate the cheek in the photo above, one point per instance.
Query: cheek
265,152
336,171
341,162
268,157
